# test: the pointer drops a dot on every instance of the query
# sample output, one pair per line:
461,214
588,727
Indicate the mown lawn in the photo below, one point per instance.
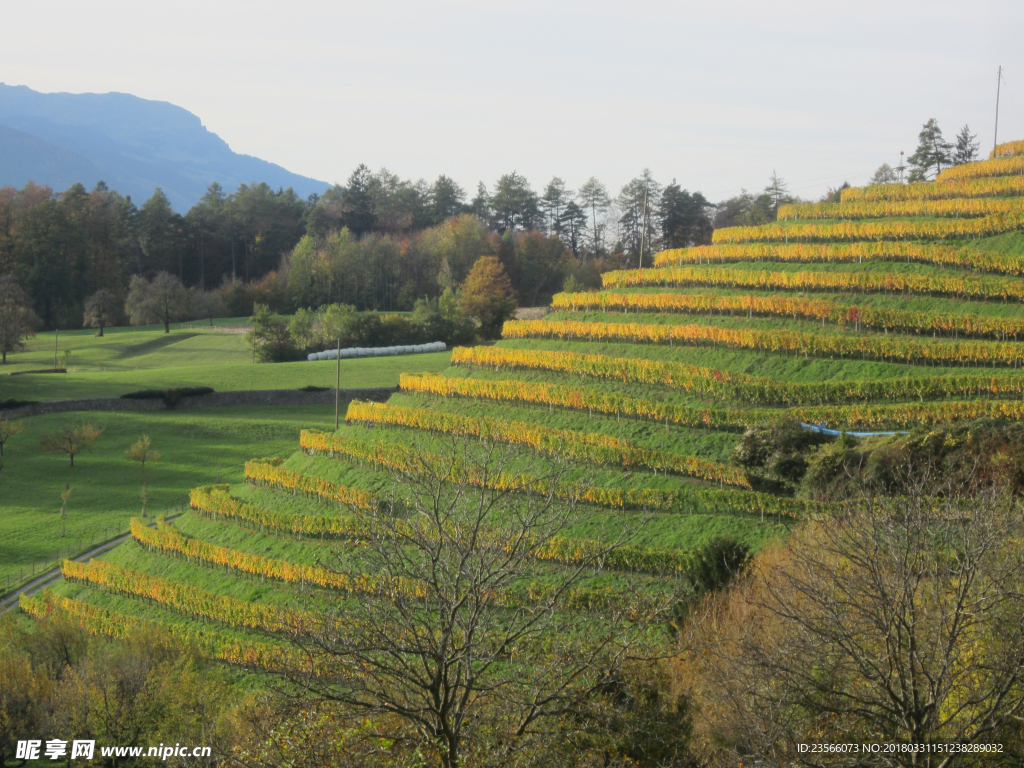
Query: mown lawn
198,447
126,361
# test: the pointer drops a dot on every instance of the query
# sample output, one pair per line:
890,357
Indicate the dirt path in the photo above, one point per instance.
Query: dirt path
40,582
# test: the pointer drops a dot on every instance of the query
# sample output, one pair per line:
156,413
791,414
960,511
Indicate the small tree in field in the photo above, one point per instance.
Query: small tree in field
100,310
487,295
162,301
8,429
70,439
64,496
142,451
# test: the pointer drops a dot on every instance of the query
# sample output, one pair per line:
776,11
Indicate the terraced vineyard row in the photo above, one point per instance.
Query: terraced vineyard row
1002,288
583,399
896,229
876,209
1012,165
875,347
846,253
714,383
998,186
880,318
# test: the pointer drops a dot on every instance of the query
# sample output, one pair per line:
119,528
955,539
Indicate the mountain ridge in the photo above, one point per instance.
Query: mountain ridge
132,144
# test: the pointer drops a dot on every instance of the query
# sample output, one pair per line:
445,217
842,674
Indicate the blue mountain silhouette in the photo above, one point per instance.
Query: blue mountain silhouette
133,144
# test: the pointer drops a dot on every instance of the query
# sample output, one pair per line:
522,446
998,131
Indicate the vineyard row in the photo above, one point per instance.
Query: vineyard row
878,209
962,287
878,318
886,229
846,253
997,186
717,384
997,166
895,349
893,415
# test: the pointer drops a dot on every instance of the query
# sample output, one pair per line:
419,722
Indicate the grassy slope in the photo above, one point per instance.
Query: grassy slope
125,361
197,448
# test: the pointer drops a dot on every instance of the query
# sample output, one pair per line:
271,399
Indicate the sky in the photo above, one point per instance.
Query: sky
714,95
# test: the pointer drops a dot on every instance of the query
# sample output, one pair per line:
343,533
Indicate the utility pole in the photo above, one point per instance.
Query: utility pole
337,391
643,232
999,81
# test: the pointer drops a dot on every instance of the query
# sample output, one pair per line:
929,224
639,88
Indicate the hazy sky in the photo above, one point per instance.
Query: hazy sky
714,94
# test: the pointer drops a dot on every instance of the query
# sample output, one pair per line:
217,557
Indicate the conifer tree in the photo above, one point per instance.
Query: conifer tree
933,153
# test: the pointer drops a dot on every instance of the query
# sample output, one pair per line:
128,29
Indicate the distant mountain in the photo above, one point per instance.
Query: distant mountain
133,144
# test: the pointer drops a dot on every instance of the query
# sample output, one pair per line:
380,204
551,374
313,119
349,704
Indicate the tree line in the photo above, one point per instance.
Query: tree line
378,242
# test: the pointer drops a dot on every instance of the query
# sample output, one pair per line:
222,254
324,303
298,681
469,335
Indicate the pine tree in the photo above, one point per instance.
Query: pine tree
933,153
966,150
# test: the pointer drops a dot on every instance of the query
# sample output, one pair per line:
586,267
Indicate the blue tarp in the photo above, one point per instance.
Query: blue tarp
823,430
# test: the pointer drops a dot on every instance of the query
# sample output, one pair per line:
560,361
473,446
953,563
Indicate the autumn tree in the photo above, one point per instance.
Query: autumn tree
487,295
162,301
101,310
897,620
8,429
17,320
70,439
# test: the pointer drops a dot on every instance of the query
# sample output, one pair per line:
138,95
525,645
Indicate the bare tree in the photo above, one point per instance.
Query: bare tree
70,439
101,310
900,621
467,659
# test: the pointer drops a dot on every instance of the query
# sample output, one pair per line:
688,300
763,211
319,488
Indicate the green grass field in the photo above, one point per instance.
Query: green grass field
125,360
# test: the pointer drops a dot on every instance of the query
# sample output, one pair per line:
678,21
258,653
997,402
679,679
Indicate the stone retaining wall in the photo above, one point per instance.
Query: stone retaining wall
212,400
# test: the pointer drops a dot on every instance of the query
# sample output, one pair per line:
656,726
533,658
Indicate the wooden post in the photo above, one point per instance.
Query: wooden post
337,391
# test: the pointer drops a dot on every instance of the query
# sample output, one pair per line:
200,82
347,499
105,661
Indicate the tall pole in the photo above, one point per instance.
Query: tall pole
643,232
337,391
999,81
56,336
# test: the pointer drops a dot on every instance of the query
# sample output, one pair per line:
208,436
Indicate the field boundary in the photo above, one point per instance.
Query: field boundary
211,400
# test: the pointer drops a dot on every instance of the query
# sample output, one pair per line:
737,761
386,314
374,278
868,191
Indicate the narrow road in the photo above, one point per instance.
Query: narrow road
11,601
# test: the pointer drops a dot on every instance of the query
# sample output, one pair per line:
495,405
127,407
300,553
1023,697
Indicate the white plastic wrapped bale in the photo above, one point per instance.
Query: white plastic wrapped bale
311,356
